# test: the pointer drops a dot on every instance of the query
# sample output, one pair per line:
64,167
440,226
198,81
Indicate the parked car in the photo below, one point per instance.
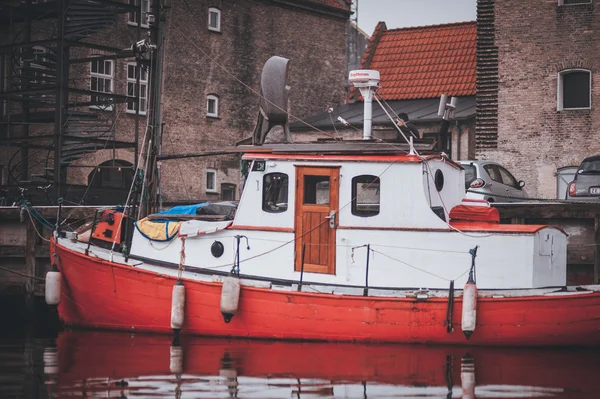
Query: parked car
492,182
586,184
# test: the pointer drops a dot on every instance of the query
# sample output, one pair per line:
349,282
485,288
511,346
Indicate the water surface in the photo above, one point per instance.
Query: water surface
85,364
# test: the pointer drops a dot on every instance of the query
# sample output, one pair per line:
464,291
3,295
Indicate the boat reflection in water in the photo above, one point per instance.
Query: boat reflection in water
107,364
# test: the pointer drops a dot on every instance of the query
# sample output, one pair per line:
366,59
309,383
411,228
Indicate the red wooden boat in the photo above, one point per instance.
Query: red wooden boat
110,295
325,244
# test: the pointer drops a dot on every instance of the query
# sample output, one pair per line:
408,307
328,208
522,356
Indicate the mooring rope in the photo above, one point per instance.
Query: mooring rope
22,274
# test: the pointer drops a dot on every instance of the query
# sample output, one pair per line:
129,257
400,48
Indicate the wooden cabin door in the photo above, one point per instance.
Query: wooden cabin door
317,194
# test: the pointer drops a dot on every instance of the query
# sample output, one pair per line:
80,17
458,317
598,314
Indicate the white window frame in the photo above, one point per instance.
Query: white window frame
216,11
105,77
212,179
215,98
132,15
559,89
143,92
562,3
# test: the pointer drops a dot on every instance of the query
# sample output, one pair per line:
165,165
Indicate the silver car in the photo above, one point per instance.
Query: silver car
586,184
492,182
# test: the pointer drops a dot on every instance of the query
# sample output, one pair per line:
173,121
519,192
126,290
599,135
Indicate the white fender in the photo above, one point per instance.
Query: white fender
230,297
50,361
176,359
53,280
469,309
467,378
178,306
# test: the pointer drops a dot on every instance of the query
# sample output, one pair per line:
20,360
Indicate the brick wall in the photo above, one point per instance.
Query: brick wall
200,62
536,40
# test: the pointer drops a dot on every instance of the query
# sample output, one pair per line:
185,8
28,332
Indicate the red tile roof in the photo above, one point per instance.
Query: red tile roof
424,62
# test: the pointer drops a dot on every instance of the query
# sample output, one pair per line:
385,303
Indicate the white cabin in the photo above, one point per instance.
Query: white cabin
310,215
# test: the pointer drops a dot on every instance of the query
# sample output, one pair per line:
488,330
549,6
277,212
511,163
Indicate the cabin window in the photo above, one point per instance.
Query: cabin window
439,180
365,195
574,89
214,19
275,192
316,190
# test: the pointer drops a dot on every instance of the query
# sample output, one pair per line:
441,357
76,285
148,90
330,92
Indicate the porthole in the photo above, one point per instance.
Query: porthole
217,249
439,180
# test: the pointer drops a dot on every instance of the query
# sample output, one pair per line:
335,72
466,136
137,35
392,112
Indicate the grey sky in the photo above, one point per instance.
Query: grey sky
403,13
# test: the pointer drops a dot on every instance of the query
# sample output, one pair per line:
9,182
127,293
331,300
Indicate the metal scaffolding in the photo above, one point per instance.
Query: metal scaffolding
48,121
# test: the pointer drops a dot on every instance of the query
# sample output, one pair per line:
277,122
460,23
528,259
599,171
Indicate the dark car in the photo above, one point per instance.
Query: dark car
586,185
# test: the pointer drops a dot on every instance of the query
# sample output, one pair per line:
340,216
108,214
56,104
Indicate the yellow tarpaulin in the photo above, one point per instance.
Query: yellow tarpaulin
158,231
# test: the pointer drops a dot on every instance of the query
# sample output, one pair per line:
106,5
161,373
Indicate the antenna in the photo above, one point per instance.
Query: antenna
447,109
367,81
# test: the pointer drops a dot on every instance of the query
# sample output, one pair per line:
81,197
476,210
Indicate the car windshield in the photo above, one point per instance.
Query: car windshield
470,174
589,167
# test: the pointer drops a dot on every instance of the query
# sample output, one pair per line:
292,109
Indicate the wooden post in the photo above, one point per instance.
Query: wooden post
597,252
30,244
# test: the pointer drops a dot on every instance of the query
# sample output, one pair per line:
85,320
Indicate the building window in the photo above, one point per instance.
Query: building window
101,81
212,106
132,15
228,192
574,89
132,92
211,181
569,2
214,19
275,192
365,195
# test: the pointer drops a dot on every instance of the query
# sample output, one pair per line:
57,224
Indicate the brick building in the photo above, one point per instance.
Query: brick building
214,51
222,68
416,65
537,87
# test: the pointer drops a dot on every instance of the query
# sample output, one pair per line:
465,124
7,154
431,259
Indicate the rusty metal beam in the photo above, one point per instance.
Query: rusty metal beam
110,49
129,54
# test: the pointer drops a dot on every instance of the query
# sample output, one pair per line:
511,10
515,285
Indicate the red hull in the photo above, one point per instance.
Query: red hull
106,295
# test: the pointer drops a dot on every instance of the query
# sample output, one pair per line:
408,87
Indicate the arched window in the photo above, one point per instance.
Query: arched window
112,174
212,106
574,89
214,19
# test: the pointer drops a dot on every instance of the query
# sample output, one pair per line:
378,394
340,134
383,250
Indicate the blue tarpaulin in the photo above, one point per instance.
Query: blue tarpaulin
176,210
183,209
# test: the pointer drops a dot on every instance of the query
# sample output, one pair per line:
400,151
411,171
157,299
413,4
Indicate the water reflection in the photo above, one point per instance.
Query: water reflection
117,365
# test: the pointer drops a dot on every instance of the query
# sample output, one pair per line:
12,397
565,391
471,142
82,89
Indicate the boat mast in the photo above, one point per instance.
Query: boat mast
151,175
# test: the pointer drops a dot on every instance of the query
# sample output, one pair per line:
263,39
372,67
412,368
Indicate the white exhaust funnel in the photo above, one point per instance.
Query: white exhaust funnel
367,81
